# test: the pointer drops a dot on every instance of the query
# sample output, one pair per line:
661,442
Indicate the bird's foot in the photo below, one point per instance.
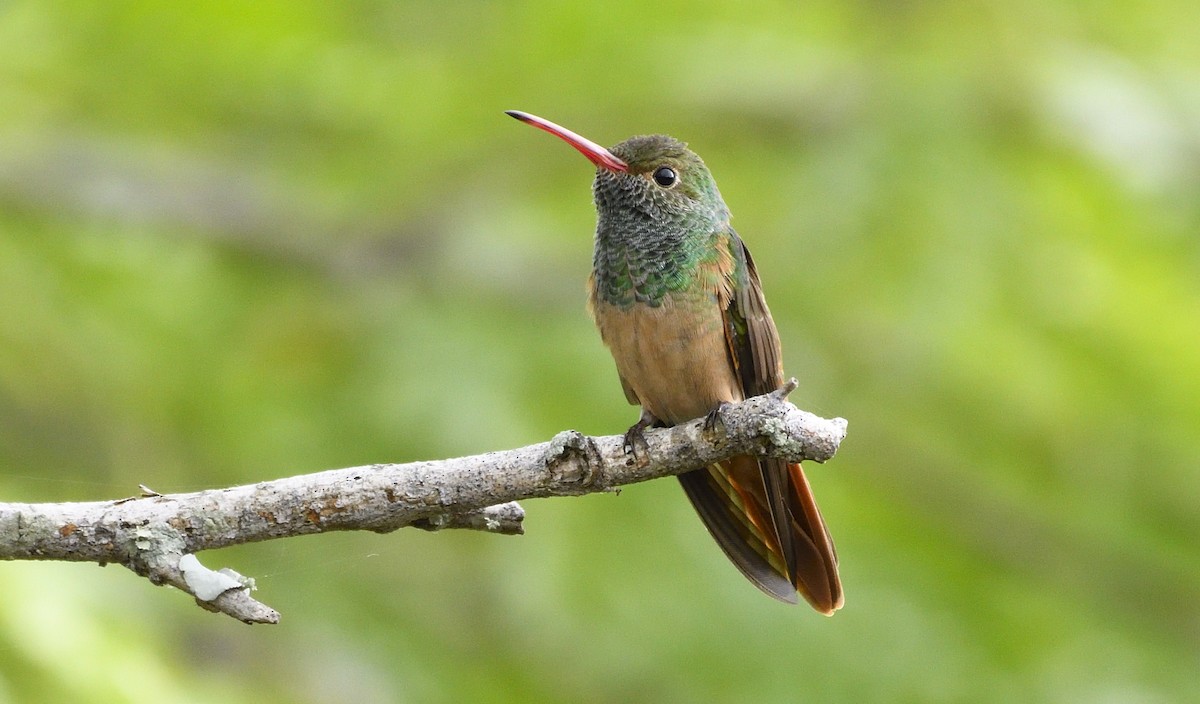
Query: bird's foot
635,438
636,443
715,417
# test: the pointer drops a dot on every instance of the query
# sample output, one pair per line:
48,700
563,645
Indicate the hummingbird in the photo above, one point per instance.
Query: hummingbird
678,302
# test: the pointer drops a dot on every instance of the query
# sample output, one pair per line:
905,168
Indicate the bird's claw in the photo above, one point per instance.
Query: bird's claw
635,441
715,417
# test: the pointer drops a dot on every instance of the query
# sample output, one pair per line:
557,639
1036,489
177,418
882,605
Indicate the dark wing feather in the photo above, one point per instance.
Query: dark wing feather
810,562
758,349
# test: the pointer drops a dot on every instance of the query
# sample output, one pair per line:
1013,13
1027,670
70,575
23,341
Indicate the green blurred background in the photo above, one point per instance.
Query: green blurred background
244,241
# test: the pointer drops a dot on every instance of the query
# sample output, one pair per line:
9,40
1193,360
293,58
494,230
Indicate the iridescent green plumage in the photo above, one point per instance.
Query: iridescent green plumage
653,241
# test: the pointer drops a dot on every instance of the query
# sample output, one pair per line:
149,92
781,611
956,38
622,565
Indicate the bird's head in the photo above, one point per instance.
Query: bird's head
654,175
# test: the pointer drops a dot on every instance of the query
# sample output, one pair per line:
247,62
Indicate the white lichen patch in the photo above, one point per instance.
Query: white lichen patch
204,583
776,432
144,538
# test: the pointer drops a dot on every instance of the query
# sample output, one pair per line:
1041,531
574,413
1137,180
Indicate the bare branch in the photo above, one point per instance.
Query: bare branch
157,535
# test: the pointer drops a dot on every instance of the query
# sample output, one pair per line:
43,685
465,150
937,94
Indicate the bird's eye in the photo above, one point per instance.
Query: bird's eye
665,176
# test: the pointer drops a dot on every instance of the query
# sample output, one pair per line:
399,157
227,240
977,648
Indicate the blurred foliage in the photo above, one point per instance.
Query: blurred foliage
247,240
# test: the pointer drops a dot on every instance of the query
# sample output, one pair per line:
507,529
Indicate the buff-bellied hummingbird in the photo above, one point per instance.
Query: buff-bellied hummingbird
679,304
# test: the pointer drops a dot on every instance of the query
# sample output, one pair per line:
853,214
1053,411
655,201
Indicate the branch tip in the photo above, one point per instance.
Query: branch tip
786,390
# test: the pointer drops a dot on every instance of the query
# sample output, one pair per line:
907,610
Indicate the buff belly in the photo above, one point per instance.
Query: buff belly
673,357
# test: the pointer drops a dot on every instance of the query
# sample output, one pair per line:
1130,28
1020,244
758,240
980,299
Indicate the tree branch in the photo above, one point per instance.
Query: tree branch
157,535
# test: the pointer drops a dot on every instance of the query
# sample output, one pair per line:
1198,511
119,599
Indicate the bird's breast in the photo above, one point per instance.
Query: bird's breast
674,356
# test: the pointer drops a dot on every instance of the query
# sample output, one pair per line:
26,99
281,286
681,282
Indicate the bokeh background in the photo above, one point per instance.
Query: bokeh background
240,241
